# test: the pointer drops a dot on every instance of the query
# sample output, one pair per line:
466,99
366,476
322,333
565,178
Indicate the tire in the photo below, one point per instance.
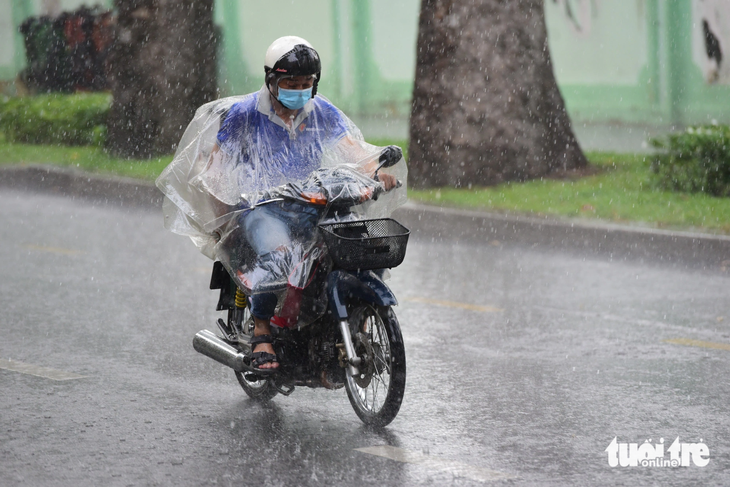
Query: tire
377,392
261,390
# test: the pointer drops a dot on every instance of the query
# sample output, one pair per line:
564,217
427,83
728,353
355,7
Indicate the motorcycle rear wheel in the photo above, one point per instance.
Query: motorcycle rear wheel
376,393
260,390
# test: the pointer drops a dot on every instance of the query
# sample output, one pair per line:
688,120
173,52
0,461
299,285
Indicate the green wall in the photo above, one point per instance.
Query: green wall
634,62
628,61
12,52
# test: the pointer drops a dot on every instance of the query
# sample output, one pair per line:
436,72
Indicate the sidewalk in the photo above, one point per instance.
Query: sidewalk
686,249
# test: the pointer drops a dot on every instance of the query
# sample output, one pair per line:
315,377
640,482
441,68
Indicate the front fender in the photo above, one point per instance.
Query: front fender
365,285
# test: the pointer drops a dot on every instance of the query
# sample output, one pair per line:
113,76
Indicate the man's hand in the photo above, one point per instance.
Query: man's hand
388,180
389,156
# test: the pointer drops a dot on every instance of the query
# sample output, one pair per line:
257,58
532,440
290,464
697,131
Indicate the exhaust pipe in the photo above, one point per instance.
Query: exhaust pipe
210,345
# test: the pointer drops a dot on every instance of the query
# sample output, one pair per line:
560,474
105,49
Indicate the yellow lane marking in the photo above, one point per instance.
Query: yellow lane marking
37,371
699,343
454,304
53,250
457,469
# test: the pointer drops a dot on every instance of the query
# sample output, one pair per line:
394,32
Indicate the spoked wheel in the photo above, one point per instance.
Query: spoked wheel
262,389
376,392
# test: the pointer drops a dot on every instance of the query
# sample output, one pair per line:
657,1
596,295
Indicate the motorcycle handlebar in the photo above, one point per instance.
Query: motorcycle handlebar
319,198
378,190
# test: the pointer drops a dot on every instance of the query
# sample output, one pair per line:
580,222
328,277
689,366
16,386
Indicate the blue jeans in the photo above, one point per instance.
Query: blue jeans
270,227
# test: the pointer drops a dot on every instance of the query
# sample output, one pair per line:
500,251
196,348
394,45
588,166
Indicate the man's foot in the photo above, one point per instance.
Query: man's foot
263,356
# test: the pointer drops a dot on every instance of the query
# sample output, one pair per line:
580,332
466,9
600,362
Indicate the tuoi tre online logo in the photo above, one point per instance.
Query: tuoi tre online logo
650,454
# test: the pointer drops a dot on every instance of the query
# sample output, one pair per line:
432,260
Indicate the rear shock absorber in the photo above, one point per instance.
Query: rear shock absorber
241,300
239,313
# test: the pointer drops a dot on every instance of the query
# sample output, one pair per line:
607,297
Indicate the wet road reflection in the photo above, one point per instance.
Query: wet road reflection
522,363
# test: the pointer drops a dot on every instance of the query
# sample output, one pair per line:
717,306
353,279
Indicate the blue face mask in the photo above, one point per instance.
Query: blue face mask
294,99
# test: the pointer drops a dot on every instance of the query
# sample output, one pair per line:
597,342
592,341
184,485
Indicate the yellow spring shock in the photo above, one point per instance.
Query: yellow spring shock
241,301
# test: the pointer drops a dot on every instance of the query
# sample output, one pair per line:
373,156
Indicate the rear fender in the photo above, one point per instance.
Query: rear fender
366,286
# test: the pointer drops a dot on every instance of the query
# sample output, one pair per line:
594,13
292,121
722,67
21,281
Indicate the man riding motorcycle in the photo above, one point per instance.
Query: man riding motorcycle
277,135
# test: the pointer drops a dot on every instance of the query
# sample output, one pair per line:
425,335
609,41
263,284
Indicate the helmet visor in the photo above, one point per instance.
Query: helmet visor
290,82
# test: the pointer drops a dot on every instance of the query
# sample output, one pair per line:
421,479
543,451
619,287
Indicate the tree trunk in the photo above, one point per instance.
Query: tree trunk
163,67
486,107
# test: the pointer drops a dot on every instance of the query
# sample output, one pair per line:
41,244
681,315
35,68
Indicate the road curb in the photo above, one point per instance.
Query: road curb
617,241
591,238
61,181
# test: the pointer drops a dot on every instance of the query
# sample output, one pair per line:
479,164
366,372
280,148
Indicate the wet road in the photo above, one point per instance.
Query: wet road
523,365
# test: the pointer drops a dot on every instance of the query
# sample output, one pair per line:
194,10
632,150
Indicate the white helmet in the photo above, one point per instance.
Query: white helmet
292,56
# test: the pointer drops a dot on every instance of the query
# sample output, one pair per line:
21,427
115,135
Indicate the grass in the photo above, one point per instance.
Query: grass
620,190
90,159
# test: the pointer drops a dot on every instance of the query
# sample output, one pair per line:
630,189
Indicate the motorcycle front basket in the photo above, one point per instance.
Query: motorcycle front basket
366,244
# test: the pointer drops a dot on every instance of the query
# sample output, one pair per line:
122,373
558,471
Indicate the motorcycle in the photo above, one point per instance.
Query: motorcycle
334,326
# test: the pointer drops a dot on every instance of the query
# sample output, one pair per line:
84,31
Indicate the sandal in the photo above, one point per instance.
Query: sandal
260,358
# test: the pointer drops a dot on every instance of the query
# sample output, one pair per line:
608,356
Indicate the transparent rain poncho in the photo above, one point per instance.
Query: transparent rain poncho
249,190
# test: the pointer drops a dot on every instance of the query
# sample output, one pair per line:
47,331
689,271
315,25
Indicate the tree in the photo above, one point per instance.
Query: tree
486,107
163,66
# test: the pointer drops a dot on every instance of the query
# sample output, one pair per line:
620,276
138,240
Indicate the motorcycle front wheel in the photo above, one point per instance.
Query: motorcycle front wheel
376,392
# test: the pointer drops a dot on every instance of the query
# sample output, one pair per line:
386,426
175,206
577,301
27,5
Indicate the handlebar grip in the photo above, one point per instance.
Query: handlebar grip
378,190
